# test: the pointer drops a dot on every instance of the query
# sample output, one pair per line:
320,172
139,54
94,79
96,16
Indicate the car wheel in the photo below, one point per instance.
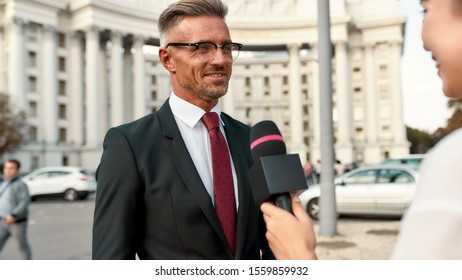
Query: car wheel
312,208
71,195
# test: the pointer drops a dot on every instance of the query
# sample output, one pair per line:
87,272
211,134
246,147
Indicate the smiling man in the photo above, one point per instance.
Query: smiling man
173,184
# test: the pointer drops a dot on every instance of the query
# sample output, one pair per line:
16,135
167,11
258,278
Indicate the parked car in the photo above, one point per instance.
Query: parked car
70,182
376,190
413,159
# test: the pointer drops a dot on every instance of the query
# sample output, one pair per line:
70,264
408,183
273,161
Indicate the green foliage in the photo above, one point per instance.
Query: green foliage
10,125
421,141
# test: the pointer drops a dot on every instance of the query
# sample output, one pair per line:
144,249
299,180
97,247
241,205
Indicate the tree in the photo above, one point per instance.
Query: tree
11,124
421,141
454,122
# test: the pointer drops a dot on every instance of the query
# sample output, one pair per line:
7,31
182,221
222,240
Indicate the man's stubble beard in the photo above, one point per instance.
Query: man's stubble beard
207,92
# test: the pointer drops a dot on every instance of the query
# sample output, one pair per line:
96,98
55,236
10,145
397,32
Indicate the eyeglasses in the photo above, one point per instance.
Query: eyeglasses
206,51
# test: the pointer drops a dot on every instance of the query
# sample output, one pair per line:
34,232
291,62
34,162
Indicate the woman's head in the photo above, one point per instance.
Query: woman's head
442,36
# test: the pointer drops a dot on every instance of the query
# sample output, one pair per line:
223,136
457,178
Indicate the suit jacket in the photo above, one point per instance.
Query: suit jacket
151,201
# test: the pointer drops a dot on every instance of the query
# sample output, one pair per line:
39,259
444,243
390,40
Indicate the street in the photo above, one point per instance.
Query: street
58,230
61,230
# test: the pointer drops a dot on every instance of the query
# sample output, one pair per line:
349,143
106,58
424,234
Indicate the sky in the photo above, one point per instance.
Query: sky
424,104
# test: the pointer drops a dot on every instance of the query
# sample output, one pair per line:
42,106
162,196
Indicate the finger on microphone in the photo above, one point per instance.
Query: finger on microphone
298,210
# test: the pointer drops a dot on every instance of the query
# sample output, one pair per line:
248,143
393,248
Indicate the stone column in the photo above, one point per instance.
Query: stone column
398,127
315,97
49,90
92,81
344,145
128,81
139,80
103,92
296,114
2,61
372,149
16,63
76,89
117,80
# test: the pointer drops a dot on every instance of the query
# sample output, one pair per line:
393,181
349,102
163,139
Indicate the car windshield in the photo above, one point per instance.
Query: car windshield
415,162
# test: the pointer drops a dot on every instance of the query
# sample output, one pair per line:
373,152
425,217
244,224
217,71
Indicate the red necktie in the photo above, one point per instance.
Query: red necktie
223,187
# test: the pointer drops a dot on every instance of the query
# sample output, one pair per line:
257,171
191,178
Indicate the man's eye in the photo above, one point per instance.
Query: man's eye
228,48
205,47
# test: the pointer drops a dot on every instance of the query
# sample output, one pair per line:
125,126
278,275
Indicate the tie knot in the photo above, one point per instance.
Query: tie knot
210,120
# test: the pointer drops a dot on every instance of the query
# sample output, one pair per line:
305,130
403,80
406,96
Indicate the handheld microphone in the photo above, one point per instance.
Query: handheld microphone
275,173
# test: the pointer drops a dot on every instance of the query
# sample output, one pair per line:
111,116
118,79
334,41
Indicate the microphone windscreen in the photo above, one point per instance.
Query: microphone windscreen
266,140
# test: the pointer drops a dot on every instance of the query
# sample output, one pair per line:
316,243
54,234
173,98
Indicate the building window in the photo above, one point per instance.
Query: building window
267,81
62,135
62,111
359,133
61,40
33,109
32,34
386,132
358,114
65,161
62,87
247,81
285,80
304,79
32,59
153,80
62,64
154,95
247,112
383,70
33,133
383,91
34,162
32,84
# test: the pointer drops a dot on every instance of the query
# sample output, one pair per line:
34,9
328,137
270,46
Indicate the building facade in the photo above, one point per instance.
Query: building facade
79,67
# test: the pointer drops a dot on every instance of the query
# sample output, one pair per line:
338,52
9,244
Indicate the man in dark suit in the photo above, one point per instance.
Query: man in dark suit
155,195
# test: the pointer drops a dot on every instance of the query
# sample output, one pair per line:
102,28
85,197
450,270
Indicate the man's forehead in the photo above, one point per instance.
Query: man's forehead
199,28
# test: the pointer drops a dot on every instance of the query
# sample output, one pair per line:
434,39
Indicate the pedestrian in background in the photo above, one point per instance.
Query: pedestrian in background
14,204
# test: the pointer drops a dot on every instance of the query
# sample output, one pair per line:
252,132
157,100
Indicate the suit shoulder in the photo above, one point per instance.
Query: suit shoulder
138,126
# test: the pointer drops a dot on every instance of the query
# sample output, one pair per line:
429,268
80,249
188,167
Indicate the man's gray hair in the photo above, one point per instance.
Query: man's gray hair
177,11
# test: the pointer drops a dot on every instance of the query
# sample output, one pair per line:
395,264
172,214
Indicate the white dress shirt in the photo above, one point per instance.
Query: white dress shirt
196,137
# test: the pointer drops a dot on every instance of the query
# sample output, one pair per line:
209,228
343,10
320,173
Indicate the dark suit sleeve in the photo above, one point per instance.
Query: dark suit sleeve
119,188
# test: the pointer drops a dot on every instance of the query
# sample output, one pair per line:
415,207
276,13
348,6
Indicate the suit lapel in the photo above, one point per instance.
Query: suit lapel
186,169
237,146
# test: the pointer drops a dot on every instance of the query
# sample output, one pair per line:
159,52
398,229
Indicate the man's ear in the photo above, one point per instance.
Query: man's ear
166,59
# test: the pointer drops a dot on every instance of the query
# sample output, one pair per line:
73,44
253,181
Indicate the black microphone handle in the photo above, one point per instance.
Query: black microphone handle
283,201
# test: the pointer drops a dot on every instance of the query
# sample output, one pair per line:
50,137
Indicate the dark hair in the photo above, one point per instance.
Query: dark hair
457,7
176,12
16,162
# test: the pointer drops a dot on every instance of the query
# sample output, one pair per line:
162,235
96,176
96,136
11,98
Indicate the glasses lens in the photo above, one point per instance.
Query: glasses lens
235,48
206,51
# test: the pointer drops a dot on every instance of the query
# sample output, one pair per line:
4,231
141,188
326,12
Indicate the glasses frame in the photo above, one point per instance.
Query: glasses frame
198,44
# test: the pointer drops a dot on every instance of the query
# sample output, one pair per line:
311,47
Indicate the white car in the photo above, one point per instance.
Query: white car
70,182
413,159
371,190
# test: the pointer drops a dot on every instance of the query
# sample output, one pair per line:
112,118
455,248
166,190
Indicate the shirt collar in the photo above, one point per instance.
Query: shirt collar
189,113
